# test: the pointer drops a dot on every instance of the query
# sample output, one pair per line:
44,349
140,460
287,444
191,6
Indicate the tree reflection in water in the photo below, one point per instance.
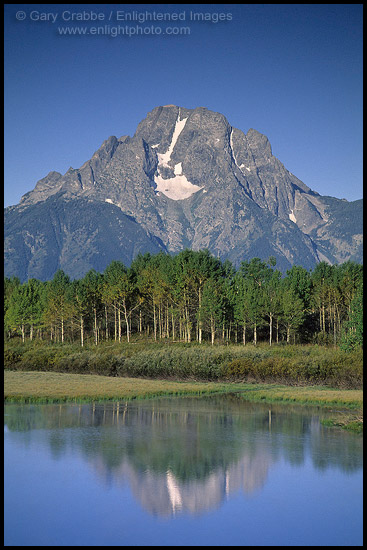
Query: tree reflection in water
187,454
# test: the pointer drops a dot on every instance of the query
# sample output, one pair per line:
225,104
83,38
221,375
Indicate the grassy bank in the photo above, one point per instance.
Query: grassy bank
288,365
61,387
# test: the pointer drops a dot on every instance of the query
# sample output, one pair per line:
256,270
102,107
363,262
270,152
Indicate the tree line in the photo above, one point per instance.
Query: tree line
191,296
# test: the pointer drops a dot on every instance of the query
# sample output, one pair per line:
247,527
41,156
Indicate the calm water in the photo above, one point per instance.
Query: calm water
189,471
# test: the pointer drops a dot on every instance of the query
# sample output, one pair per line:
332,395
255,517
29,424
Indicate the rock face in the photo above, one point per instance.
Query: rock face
185,179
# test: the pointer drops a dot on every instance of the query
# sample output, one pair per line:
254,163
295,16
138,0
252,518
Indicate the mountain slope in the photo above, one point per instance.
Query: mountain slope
186,178
74,235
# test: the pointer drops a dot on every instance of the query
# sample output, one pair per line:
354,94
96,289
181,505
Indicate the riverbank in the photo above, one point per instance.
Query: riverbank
308,365
43,387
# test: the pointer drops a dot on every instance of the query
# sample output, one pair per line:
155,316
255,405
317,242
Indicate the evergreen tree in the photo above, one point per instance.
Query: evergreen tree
58,308
79,297
242,299
212,305
35,303
256,274
292,314
92,284
10,284
16,313
353,337
272,303
193,294
114,276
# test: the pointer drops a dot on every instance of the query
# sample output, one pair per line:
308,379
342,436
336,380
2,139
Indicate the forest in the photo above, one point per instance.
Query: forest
191,297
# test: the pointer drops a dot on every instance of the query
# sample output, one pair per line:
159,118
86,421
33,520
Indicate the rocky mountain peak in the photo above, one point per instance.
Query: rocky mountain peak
188,178
259,143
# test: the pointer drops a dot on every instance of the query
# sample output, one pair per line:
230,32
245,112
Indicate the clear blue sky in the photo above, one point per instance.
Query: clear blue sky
292,72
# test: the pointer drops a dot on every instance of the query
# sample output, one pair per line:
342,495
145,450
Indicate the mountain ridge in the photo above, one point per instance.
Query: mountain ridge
189,179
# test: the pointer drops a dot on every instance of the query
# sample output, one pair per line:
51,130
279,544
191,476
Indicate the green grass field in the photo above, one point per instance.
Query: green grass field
56,386
62,387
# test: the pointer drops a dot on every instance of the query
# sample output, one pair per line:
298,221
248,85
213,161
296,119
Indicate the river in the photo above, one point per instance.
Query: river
179,472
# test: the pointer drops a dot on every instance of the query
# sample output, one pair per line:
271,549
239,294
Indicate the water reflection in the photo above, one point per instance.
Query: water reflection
188,454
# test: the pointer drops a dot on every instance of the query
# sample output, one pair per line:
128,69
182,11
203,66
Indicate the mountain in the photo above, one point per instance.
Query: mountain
186,178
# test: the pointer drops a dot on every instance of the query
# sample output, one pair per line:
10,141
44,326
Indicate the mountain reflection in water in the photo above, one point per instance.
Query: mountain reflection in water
185,454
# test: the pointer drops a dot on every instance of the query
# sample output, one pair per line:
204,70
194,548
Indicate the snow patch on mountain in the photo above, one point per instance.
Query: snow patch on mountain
178,169
292,217
164,158
234,156
178,187
231,143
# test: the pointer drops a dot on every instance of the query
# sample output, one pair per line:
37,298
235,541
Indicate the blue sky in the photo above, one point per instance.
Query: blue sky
292,72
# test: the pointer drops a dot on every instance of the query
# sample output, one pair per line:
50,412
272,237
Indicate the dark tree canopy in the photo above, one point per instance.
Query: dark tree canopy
192,296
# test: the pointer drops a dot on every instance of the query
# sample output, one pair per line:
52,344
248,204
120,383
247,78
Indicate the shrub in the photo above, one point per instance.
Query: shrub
202,364
11,359
238,369
289,364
